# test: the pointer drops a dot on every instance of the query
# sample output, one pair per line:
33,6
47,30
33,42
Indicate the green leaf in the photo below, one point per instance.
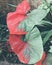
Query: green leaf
36,45
34,18
43,22
48,35
34,40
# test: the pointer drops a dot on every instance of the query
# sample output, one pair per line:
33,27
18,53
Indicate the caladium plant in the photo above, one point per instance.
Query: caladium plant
32,44
27,38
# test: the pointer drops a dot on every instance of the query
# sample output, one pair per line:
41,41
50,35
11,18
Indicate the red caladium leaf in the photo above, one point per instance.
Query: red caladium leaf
14,18
18,47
